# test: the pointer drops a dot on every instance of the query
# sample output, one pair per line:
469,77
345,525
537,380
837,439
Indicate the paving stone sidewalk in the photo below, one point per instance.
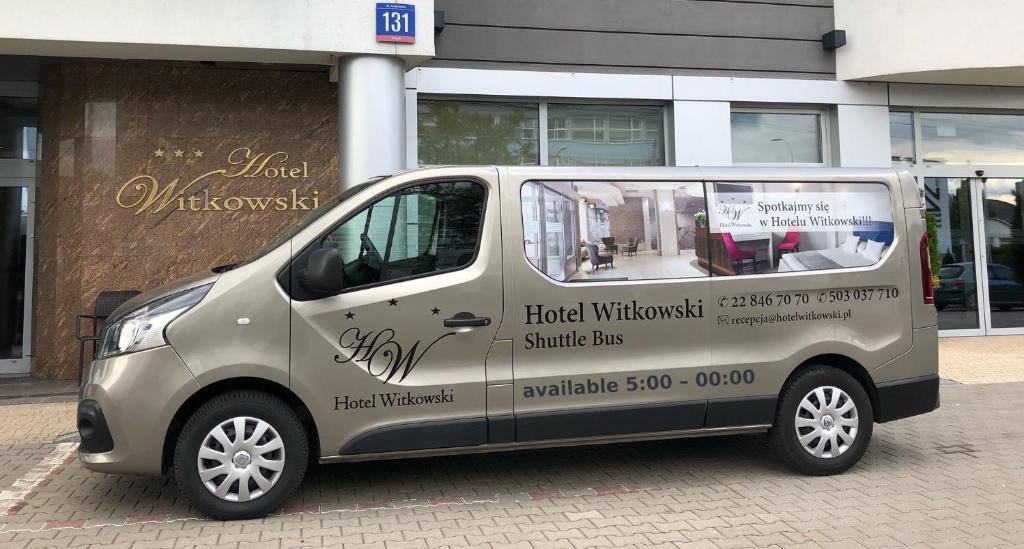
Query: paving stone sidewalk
994,359
952,478
948,479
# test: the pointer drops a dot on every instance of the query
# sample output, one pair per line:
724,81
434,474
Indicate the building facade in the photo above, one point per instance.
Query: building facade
133,152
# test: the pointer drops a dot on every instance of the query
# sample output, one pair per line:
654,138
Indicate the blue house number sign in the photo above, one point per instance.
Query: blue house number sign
396,23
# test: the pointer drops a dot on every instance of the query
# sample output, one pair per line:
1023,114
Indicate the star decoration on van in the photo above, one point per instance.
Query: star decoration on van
435,311
350,315
393,302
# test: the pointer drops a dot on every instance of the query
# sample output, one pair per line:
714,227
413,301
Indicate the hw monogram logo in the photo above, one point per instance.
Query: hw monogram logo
381,355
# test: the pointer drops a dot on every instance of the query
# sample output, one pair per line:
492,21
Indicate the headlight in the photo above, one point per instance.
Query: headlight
144,327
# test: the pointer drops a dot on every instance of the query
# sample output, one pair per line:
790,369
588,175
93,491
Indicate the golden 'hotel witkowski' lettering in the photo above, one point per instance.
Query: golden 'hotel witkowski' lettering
155,197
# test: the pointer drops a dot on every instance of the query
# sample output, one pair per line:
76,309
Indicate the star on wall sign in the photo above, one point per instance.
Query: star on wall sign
393,302
350,315
159,153
435,311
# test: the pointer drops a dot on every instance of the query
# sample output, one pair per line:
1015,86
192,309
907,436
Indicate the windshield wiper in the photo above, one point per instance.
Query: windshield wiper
224,268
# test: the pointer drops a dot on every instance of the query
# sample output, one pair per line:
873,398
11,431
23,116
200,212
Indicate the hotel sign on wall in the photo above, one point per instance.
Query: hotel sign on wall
145,193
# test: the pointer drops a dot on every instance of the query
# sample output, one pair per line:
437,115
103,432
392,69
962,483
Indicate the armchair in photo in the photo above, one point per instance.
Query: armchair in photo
789,244
609,244
630,247
596,259
738,256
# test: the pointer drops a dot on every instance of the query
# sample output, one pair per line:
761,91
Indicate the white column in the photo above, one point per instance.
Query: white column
668,242
371,117
702,132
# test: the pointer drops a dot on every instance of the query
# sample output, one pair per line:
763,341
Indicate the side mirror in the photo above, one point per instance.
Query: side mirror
324,271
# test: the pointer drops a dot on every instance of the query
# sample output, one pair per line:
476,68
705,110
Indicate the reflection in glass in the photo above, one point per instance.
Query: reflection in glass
18,123
1004,243
605,135
13,242
476,132
428,228
959,138
776,138
901,134
948,201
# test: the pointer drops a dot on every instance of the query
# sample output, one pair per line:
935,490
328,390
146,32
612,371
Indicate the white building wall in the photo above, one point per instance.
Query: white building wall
933,41
863,136
701,131
258,31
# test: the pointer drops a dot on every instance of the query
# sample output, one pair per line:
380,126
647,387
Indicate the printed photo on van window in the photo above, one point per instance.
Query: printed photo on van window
582,231
785,227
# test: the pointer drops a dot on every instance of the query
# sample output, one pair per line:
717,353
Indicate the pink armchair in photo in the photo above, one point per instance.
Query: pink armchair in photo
789,244
737,255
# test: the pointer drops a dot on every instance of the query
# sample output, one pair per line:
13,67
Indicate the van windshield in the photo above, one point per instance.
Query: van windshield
295,228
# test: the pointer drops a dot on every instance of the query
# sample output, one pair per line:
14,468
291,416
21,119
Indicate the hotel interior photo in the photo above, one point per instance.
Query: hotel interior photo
607,230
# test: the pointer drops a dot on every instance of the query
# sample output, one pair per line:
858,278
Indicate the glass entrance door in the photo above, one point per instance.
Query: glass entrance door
950,204
980,232
15,275
1003,217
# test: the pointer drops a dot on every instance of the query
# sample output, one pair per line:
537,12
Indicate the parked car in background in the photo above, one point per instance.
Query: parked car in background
957,286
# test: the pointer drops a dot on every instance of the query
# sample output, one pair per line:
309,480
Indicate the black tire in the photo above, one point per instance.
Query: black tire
785,438
222,408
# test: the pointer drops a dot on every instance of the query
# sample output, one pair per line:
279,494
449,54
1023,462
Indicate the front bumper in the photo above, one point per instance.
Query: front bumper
131,399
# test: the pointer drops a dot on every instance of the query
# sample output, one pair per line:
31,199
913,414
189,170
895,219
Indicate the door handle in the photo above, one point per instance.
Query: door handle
466,320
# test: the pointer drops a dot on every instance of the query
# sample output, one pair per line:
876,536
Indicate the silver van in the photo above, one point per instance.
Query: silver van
479,309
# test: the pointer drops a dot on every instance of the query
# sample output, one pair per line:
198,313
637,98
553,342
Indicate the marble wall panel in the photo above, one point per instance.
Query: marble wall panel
106,123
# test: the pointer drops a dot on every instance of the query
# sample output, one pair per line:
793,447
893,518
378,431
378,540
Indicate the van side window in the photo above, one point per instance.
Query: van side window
593,231
757,228
420,230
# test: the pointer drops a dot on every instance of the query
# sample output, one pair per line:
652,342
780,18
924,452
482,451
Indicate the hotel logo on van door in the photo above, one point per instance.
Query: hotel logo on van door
146,193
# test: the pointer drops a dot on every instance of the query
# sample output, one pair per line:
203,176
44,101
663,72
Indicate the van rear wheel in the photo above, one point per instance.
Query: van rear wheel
241,455
823,422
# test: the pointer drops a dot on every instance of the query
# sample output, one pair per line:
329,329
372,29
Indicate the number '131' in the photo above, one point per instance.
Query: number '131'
396,21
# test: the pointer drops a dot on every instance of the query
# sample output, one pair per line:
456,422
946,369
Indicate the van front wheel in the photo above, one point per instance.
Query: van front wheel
241,455
823,422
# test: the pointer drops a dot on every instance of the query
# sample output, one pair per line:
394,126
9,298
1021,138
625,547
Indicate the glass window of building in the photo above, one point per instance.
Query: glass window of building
18,123
901,135
605,135
774,137
477,132
967,138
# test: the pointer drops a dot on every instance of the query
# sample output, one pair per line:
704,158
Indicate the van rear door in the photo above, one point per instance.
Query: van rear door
832,274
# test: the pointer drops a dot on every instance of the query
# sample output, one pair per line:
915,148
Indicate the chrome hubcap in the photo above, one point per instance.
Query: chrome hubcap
241,459
826,422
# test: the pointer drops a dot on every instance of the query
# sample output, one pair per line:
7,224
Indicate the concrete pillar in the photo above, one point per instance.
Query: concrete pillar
371,117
